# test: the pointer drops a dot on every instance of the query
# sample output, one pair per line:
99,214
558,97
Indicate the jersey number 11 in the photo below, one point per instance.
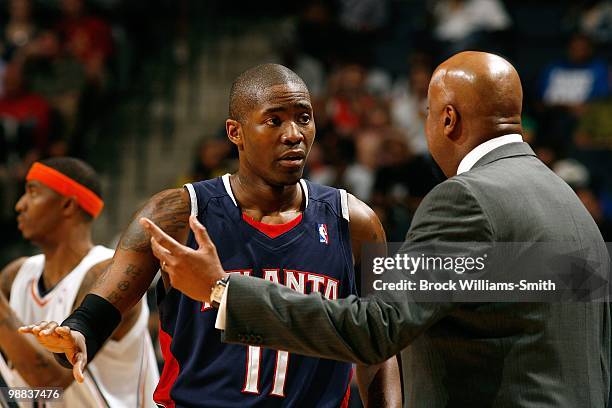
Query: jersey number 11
251,381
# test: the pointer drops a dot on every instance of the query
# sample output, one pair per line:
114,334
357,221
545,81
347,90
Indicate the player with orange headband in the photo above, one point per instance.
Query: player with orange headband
62,198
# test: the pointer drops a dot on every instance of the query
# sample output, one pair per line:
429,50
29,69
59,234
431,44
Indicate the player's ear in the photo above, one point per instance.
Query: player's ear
70,206
233,128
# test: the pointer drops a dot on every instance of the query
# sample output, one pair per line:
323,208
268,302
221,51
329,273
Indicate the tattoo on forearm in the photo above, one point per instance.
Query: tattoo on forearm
171,215
132,271
135,239
95,279
114,297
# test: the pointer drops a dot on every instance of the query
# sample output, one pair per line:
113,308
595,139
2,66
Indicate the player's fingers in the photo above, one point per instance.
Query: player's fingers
201,235
162,238
38,327
49,329
26,329
159,251
78,367
64,332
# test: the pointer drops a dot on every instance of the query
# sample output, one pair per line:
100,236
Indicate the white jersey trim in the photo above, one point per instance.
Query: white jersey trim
305,190
228,187
344,204
193,198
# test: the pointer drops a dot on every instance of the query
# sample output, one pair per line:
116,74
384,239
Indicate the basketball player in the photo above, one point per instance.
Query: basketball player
265,221
61,199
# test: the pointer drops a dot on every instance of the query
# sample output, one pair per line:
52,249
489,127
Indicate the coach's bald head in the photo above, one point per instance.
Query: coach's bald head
249,86
473,97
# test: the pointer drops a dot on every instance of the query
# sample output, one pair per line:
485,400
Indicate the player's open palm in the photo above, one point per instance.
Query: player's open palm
60,339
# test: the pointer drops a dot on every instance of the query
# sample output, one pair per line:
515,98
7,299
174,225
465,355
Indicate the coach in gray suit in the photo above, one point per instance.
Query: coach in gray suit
458,354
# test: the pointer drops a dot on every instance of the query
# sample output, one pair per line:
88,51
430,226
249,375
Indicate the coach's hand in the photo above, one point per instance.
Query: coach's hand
60,339
193,272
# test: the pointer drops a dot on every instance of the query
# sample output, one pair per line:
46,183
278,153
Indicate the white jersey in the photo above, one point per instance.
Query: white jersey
123,374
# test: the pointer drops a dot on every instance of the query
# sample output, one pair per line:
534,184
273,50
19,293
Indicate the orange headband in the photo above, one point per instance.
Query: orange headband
64,185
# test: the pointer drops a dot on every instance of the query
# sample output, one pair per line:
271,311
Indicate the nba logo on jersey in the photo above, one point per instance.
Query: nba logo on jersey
323,233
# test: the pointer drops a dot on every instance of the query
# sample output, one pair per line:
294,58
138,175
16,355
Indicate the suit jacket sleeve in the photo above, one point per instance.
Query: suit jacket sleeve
365,331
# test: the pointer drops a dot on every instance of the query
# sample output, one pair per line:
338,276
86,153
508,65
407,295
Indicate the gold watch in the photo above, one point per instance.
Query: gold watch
216,295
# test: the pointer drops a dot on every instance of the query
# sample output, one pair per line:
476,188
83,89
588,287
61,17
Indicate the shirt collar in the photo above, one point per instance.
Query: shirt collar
479,151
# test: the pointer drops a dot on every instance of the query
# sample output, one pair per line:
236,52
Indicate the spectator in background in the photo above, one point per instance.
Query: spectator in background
595,127
316,162
87,38
577,176
401,182
20,29
317,32
362,22
350,161
409,106
363,15
580,78
593,205
212,160
306,67
593,142
464,24
309,68
348,99
25,120
334,162
566,87
338,168
596,21
368,144
58,77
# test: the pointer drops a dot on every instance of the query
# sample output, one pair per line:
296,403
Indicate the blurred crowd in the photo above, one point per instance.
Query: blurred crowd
368,63
54,65
63,66
51,75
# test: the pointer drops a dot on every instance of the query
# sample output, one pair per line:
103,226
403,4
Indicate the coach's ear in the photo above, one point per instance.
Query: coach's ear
451,123
233,128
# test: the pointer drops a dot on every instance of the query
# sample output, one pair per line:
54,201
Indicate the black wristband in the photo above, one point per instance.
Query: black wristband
96,319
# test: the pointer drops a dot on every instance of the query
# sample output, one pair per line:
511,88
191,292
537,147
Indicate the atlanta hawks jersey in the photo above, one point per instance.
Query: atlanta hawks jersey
310,254
123,374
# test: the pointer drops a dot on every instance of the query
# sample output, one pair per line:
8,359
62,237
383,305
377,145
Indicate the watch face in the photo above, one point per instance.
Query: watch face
217,293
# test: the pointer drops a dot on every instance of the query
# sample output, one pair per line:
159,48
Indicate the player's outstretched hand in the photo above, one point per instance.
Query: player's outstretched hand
60,339
193,272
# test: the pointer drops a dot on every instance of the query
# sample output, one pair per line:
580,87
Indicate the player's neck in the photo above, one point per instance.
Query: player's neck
63,256
261,198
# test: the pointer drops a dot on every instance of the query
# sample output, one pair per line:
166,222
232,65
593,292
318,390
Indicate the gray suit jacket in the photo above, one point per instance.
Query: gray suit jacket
459,354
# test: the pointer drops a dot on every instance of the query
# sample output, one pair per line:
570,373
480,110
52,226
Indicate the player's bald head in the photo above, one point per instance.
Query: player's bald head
249,86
